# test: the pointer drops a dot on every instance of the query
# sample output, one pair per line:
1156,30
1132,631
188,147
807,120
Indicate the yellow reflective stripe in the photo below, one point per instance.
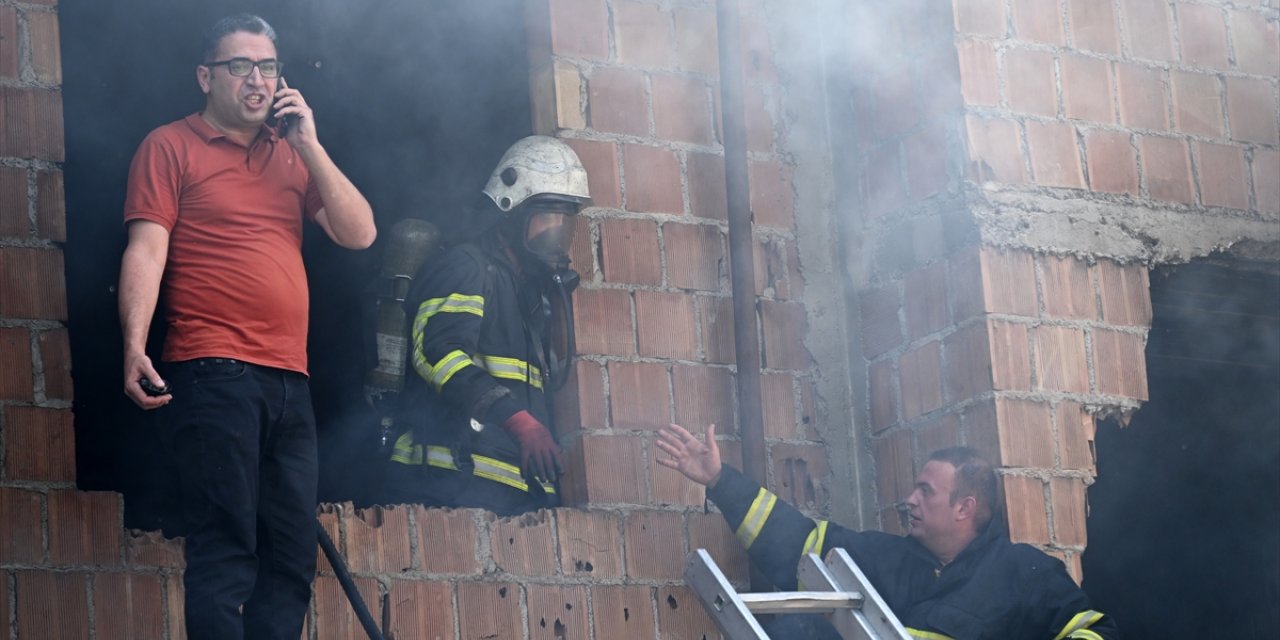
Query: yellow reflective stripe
1082,620
927,635
817,537
511,369
759,512
1085,634
443,371
442,458
453,303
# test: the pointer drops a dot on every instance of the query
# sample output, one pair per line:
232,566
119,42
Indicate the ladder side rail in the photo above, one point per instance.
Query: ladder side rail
852,624
874,609
720,599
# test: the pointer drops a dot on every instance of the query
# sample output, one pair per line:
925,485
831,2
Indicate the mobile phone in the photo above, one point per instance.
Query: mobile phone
288,121
151,389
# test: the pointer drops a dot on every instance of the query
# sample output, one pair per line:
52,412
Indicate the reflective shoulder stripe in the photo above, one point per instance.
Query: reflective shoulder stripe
1085,634
1082,620
511,369
817,537
759,512
442,372
406,452
927,635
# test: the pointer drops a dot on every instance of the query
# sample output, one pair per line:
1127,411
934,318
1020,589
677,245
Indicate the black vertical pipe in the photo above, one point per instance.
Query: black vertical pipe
741,241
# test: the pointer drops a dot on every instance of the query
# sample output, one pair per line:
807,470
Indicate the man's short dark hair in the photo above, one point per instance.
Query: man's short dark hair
974,477
246,22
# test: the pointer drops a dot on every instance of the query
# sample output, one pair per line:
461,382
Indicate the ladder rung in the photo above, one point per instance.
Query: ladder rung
801,601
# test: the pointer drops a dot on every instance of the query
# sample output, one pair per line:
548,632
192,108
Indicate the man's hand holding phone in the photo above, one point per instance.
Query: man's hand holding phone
291,111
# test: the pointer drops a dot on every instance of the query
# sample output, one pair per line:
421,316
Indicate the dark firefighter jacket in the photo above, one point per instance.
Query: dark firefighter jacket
993,590
476,341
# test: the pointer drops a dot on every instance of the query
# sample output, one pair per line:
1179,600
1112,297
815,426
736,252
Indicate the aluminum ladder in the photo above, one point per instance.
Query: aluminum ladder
839,590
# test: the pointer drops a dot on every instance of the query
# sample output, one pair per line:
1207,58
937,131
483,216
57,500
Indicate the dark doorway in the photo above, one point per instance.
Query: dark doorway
1184,534
414,99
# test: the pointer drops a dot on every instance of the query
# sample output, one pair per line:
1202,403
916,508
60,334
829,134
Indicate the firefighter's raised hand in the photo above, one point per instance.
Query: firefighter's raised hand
699,461
539,453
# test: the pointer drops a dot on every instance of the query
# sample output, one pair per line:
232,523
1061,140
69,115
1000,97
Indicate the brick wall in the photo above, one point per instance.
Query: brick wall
67,566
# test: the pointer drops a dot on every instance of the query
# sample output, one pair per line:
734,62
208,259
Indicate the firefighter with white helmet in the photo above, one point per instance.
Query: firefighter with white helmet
475,429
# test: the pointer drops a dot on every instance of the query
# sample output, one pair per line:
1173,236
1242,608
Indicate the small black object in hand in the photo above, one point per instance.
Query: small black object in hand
151,389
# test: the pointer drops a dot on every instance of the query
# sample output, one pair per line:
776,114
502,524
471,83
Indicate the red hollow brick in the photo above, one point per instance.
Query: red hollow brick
128,605
1008,282
880,181
703,396
583,245
588,408
778,406
681,615
378,540
1068,286
590,543
1256,42
969,367
921,380
16,377
150,549
490,610
1125,293
666,326
772,195
334,616
174,597
640,395
5,593
1076,429
982,430
420,609
614,469
39,445
523,545
1120,363
31,123
1038,21
895,103
697,47
710,531
1266,188
1086,89
1055,155
995,150
9,40
1251,105
652,179
85,527
1222,175
55,355
883,407
557,611
1030,80
758,107
51,605
603,320
1070,509
695,255
894,471
622,611
707,186
580,28
964,277
716,321
881,328
1148,33
644,35
1202,35
446,540
23,542
926,155
600,159
15,222
46,50
654,544
802,474
33,282
682,109
1113,162
1094,26
939,432
1061,364
1166,169
1010,356
925,301
1025,506
1026,434
1141,93
784,326
980,17
629,251
1197,104
617,101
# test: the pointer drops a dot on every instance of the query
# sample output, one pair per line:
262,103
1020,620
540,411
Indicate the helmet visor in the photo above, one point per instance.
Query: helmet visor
549,231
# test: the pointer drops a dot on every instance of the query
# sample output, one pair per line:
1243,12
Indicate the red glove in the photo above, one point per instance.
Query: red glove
539,455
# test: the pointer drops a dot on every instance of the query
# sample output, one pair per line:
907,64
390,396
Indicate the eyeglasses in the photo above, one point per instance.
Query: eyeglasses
242,67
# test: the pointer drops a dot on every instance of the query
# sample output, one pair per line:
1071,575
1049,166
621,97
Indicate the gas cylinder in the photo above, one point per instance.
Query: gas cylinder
411,242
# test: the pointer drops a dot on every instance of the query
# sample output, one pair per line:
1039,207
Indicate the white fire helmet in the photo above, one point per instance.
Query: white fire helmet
537,165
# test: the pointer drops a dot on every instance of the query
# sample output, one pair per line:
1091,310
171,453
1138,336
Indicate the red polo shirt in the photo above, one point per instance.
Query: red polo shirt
234,285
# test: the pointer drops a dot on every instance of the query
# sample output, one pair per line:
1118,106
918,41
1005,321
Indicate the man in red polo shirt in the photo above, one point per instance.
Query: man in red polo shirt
215,207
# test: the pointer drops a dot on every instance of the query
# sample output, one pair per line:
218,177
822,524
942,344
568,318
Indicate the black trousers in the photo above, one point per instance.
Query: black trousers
244,440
